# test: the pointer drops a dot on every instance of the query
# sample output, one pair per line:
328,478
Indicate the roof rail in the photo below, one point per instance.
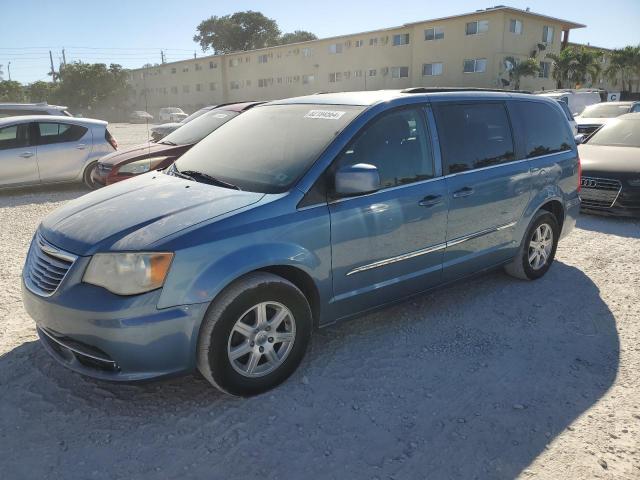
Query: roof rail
458,89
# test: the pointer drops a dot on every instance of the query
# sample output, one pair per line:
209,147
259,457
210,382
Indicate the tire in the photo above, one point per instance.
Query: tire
231,328
543,252
87,177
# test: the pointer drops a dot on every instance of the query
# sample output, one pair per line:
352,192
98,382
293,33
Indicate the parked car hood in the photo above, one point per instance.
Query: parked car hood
144,150
135,214
601,158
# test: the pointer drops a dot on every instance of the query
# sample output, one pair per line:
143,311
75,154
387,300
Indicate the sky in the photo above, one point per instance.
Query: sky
133,32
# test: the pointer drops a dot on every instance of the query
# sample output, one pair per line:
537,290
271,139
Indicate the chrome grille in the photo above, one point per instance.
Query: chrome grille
599,192
46,267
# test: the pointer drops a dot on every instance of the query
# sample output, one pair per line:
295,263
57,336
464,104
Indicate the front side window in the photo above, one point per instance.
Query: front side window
473,135
397,144
267,148
15,136
401,39
546,129
59,133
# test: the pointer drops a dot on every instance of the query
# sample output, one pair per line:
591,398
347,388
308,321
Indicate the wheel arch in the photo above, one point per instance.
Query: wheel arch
556,208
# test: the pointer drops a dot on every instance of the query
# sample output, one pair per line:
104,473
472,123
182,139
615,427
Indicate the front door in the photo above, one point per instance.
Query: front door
390,243
487,188
18,157
63,149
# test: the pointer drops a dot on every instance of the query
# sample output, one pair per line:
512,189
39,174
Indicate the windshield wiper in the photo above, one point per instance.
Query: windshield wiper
205,178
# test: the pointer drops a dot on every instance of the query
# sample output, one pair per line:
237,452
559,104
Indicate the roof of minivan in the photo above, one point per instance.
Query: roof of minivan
51,118
368,98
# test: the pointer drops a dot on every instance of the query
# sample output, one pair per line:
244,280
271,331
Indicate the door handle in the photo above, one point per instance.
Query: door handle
81,146
430,200
463,192
26,154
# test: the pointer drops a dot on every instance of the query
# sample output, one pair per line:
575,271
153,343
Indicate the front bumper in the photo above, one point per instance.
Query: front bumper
111,337
626,204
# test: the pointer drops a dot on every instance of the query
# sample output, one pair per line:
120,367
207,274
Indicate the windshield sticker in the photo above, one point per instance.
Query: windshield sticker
324,114
220,115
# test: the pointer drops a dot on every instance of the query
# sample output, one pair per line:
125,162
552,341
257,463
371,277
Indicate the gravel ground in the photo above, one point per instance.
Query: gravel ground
492,378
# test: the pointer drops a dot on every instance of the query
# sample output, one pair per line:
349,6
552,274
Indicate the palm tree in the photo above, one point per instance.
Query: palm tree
562,66
624,65
519,69
585,65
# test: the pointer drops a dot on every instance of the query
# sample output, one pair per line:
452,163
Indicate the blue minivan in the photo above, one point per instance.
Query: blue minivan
294,215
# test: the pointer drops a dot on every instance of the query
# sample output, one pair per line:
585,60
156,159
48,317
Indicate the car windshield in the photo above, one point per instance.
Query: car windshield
618,133
195,131
269,147
195,115
603,110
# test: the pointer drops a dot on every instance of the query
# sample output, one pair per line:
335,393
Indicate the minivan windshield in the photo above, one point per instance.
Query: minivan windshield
269,147
621,132
199,128
602,110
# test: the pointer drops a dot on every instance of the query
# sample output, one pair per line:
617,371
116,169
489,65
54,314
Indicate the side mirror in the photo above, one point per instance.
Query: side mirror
580,138
357,179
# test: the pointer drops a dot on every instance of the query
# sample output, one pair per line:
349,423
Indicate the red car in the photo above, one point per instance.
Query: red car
123,164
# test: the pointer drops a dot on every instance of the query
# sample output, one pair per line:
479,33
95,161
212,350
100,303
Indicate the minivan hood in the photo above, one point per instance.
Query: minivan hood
606,159
144,150
135,214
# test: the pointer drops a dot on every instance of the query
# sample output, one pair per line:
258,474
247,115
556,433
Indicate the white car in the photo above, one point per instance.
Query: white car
576,99
43,108
39,149
171,114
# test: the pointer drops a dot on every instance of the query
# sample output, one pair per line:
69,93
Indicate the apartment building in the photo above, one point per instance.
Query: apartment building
467,50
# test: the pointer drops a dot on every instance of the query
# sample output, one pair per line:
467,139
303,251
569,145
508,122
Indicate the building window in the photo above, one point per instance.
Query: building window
185,89
233,62
174,90
279,80
435,33
373,42
198,67
515,26
335,48
401,39
359,43
234,85
346,75
384,40
480,26
185,69
432,69
263,58
475,65
545,67
399,72
372,72
306,79
198,87
357,74
212,86
173,70
547,34
307,52
213,65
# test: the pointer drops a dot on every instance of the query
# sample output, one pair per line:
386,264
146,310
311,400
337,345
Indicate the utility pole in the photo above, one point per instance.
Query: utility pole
162,56
64,58
53,72
194,54
9,70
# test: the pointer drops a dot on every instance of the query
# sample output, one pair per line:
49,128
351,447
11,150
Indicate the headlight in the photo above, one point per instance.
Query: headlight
128,273
141,166
634,182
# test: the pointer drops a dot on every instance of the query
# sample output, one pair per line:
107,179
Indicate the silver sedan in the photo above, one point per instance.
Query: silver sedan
40,149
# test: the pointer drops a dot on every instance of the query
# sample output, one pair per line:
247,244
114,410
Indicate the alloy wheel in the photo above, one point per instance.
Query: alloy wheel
540,246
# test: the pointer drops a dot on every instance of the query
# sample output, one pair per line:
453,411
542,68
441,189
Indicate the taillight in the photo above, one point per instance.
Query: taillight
109,138
579,174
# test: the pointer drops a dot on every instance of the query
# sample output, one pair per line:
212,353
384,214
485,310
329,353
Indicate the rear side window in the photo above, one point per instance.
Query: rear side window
544,127
397,144
59,133
473,135
15,136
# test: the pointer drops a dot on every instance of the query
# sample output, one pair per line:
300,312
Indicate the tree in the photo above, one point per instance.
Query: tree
295,37
83,86
519,69
561,71
41,91
11,91
585,65
238,32
624,65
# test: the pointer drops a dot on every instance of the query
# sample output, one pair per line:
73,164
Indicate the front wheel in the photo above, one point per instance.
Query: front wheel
254,335
538,248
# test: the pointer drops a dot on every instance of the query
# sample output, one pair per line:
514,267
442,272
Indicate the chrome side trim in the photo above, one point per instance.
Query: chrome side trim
55,252
399,258
434,248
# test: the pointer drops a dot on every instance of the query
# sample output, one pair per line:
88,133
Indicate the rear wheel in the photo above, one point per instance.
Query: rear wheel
538,248
88,176
254,335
